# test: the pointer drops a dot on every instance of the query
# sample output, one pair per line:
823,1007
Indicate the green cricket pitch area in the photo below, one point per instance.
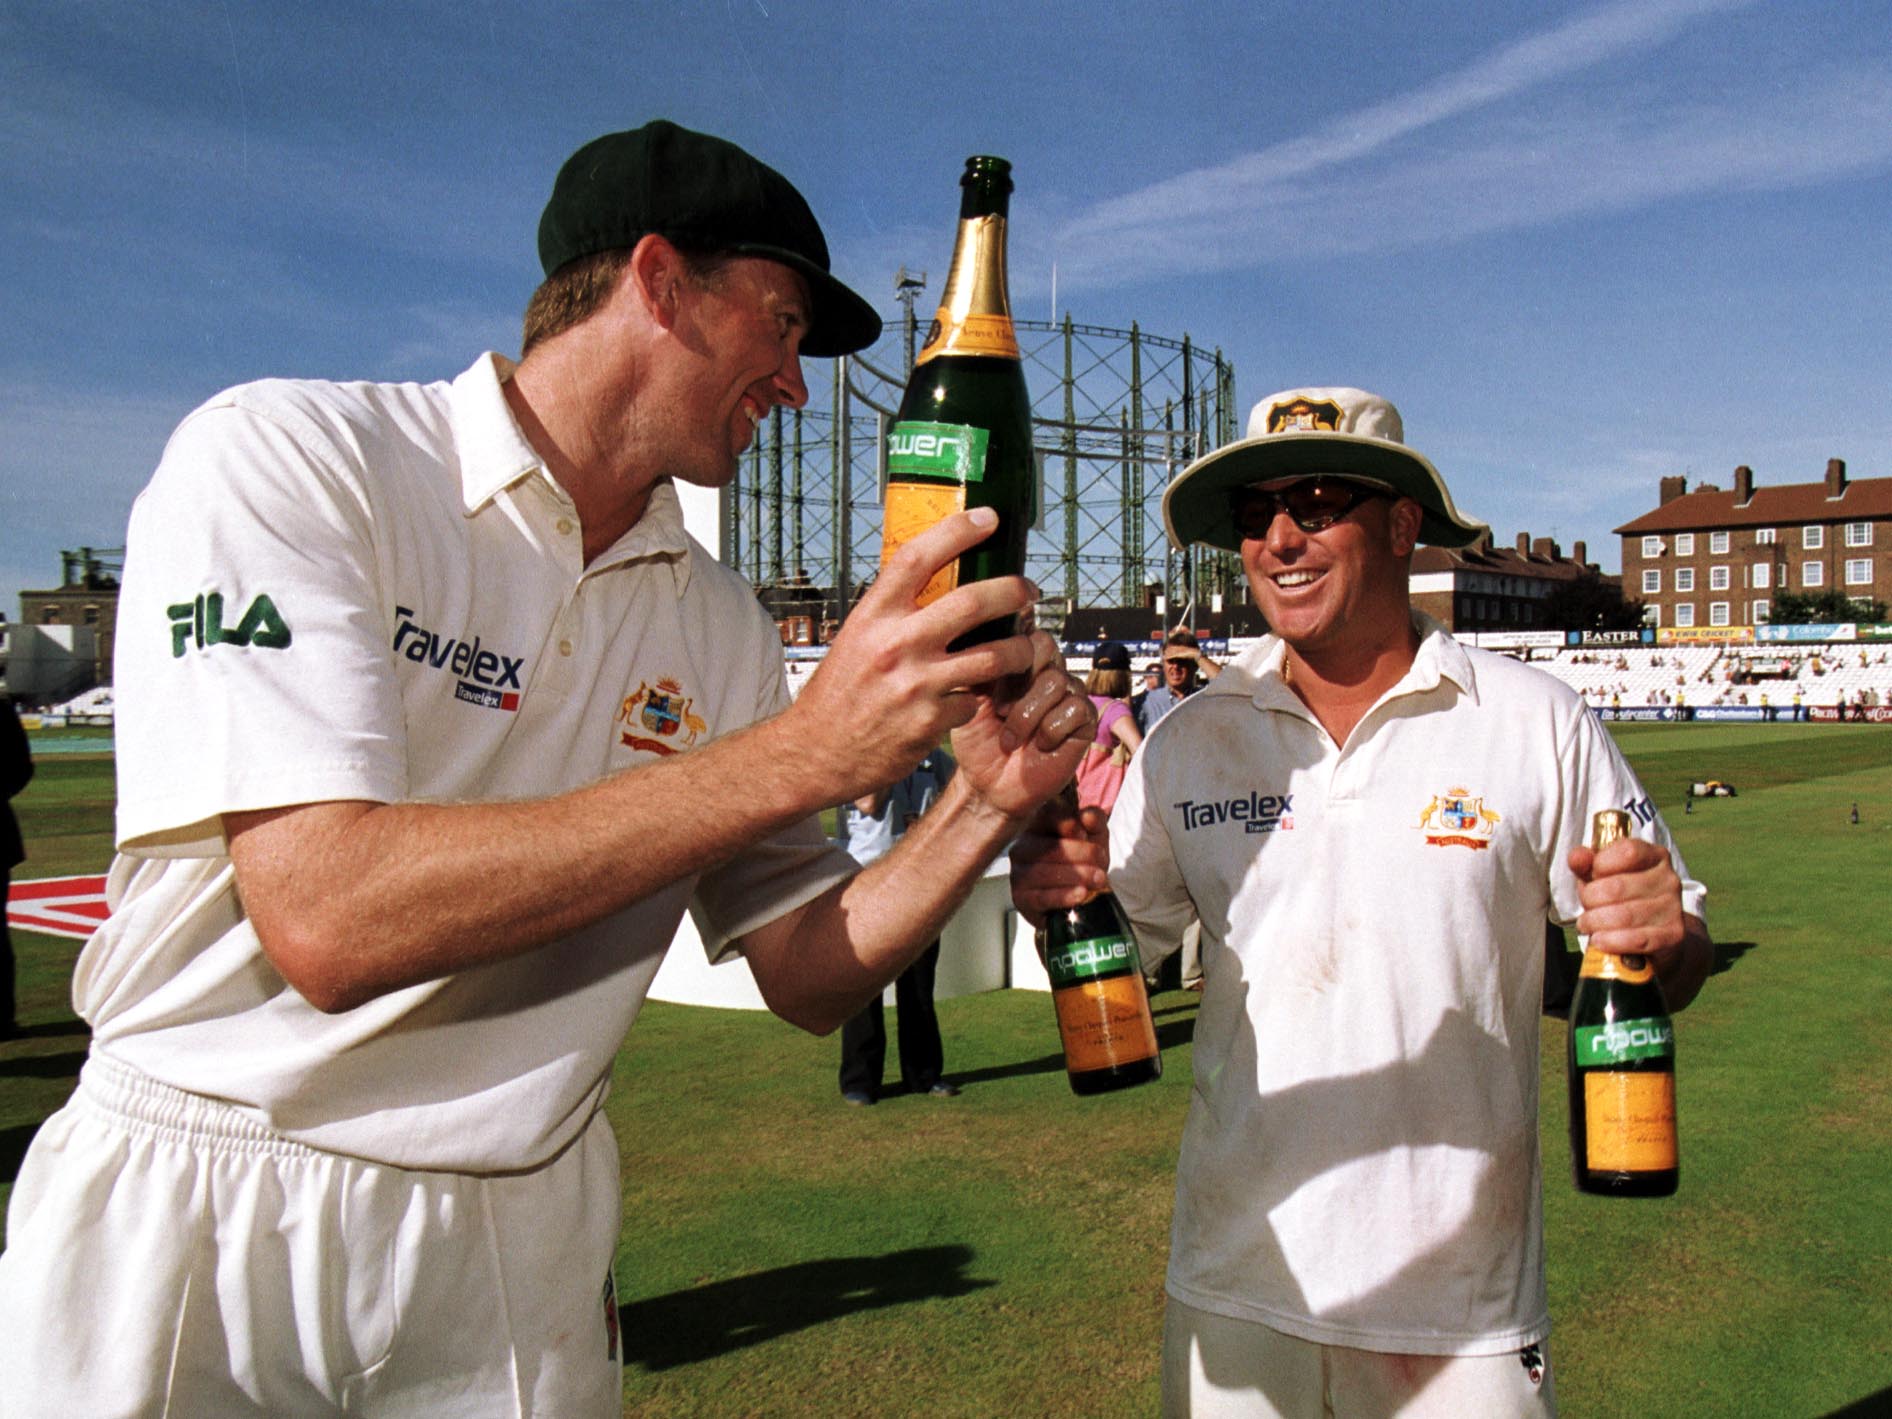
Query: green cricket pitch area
1002,1253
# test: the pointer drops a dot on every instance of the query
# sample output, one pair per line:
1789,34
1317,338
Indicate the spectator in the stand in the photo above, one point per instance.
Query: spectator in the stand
1185,670
1101,774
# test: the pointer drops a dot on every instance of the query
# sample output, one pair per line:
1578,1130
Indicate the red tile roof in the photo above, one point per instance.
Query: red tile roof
1498,561
1784,505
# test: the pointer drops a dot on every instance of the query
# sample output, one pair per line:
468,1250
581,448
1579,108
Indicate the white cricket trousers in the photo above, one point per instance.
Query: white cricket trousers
167,1256
1217,1367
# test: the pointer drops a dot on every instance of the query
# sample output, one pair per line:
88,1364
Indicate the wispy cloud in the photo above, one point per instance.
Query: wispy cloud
1501,143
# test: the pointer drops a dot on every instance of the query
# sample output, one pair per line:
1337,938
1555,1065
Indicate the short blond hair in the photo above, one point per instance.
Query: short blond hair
571,295
576,291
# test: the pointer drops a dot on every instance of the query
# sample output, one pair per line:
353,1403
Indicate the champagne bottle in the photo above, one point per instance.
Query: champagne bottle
1621,1068
962,437
1103,1008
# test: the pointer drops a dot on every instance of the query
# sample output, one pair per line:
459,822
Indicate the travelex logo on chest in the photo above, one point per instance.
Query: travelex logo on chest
1256,812
487,679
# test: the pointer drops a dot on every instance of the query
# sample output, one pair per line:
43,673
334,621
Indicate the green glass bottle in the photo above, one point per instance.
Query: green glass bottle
962,438
1103,1009
1621,1058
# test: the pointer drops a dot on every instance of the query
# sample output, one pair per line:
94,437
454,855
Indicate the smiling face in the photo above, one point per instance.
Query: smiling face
738,340
1341,589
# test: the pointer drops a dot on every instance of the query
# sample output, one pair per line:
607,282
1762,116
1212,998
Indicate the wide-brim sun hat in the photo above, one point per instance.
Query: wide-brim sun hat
705,194
1300,433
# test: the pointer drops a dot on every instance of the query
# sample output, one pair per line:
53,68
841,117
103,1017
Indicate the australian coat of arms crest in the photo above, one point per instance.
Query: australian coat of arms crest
1458,818
664,711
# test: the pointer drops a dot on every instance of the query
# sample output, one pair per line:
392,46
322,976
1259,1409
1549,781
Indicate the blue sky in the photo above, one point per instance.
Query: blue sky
1582,246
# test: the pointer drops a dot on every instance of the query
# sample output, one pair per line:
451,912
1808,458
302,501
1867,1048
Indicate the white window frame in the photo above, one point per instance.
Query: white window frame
1718,578
1684,544
1652,546
1763,578
1766,537
1859,534
1812,537
1717,613
1684,614
1859,571
1717,544
1813,574
1684,578
1761,611
1652,581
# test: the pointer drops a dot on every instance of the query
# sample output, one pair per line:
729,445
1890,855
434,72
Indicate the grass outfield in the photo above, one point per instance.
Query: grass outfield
1002,1253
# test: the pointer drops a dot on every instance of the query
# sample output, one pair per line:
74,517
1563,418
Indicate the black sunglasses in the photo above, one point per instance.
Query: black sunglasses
1311,505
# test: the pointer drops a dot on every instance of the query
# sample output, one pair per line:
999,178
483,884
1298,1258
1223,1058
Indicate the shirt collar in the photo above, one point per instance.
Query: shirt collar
494,455
1438,658
659,535
493,450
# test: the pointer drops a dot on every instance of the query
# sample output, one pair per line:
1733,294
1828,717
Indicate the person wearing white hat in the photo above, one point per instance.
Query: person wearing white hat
1371,823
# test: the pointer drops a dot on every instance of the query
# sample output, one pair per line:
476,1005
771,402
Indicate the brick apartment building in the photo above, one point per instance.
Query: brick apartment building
86,596
1487,588
1720,558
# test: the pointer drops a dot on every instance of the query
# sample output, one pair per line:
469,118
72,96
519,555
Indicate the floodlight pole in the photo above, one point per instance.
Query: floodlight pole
906,288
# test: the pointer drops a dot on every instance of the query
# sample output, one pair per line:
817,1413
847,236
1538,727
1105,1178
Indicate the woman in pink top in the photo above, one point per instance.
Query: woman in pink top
1101,774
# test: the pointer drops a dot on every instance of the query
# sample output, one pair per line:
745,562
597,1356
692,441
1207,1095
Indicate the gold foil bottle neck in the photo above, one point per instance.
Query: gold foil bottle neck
1606,827
975,311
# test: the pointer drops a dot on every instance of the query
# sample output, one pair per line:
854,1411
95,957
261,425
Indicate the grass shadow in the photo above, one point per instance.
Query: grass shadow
1170,1034
43,1066
1728,952
684,1327
1873,1406
1187,1007
51,1030
1044,1064
13,1145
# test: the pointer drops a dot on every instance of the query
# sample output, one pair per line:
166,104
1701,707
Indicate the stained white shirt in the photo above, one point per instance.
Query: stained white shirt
1360,1164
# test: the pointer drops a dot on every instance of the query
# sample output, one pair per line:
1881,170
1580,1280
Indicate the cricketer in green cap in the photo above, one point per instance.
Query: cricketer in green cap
708,196
525,722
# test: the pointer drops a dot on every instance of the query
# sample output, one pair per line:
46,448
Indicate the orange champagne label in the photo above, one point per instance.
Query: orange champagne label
1105,1023
1629,1121
911,509
969,335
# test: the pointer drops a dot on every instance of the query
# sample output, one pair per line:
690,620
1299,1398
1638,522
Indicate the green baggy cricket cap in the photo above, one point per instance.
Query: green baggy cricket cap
706,195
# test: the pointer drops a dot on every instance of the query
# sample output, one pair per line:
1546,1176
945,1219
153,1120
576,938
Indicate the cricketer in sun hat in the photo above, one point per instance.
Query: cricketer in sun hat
706,195
1298,433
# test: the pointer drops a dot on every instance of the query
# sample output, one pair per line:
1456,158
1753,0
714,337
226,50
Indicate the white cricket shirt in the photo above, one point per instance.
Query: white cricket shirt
1360,1163
377,592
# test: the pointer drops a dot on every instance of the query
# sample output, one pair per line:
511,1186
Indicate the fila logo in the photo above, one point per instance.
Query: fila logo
484,675
199,622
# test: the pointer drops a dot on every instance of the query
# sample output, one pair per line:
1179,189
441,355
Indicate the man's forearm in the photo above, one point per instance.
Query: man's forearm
354,900
817,967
